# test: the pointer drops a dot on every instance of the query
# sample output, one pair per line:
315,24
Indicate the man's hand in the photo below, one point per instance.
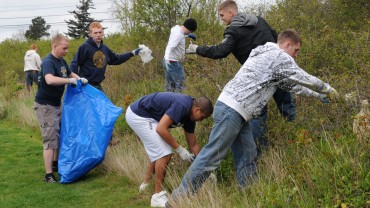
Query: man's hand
191,49
136,51
167,64
83,80
331,93
323,98
184,154
192,36
72,81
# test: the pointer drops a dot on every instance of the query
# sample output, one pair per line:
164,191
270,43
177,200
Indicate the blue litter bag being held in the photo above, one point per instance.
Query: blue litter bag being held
88,118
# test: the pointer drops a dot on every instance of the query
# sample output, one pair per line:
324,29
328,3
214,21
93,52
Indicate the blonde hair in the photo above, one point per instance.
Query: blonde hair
33,46
95,25
228,4
57,38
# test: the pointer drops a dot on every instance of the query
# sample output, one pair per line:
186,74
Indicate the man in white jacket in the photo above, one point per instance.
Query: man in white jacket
32,66
268,67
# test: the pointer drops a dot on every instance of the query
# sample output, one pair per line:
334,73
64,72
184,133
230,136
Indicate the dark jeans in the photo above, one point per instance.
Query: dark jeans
31,76
285,103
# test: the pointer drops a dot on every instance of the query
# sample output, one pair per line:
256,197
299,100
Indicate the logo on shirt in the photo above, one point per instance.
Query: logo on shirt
99,59
64,71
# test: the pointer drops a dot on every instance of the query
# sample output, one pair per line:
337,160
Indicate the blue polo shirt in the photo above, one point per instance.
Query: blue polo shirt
176,106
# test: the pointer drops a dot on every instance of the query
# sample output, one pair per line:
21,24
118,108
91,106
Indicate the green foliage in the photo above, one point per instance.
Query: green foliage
80,27
315,161
38,29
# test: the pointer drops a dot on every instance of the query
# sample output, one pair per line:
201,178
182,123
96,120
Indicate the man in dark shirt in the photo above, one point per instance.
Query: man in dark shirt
53,77
243,33
151,117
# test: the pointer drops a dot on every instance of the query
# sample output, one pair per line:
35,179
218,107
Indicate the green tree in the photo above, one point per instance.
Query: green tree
38,29
80,27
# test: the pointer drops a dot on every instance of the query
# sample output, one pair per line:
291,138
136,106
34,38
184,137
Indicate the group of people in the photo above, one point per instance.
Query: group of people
239,114
88,66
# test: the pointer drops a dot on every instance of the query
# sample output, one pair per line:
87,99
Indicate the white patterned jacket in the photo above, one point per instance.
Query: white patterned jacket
267,68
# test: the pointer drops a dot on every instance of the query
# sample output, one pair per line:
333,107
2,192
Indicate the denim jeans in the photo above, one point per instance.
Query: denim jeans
175,76
285,103
229,130
31,76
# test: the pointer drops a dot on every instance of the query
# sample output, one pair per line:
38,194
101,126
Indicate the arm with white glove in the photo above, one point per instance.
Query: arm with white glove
184,154
192,49
331,93
136,51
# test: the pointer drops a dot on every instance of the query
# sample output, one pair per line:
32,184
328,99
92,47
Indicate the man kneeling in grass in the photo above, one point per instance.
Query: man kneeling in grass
151,117
268,67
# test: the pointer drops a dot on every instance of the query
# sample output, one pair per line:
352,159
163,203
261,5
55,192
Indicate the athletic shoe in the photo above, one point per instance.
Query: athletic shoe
159,200
143,187
50,179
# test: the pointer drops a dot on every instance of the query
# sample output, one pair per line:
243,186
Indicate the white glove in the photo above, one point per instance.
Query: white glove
191,49
184,154
72,81
331,93
83,80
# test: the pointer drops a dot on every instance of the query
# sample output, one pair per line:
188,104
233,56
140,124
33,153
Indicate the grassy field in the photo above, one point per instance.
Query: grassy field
22,171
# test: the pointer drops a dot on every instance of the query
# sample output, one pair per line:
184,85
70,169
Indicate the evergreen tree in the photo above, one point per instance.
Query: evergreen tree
80,27
38,29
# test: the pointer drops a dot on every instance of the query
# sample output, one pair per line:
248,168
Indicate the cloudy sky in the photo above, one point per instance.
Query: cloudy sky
16,15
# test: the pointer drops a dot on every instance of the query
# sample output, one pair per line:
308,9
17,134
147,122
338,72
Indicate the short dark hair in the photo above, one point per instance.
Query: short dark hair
289,34
205,105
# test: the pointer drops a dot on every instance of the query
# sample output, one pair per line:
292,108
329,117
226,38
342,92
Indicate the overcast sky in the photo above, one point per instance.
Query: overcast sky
16,15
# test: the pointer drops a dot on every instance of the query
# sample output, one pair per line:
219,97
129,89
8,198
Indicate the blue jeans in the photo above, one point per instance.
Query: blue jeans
285,103
31,76
229,130
175,76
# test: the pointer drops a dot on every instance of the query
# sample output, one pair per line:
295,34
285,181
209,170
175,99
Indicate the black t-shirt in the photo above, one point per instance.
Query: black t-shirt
47,94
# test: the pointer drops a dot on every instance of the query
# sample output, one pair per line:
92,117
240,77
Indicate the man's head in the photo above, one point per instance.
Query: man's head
33,47
290,42
59,45
227,10
96,32
202,108
190,25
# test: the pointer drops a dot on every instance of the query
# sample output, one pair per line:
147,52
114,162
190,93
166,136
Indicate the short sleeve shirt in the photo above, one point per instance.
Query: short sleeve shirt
176,106
48,94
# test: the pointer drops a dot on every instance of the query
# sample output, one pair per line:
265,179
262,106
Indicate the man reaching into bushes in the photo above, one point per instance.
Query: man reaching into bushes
268,67
243,33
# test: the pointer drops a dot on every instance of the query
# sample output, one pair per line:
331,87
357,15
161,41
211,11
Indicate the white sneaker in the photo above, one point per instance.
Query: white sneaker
143,187
159,200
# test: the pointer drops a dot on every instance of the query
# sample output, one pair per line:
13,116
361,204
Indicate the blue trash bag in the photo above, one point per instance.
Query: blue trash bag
88,118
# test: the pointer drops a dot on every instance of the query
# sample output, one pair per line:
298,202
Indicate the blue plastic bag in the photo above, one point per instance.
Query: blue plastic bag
88,118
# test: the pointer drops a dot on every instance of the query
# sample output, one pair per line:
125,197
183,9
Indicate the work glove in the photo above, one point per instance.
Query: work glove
72,81
83,80
331,93
184,154
192,36
136,51
191,49
323,98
